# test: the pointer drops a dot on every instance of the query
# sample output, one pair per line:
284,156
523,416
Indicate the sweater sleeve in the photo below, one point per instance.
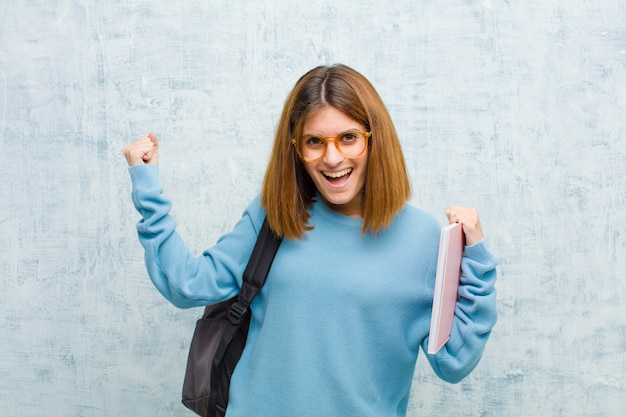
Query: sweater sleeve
475,316
185,280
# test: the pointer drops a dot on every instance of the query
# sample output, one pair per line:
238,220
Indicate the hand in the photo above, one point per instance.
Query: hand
468,217
144,150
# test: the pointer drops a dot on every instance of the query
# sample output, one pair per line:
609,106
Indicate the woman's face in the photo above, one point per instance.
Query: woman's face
338,179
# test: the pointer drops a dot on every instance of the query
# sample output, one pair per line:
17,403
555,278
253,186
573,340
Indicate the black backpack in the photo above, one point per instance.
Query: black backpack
220,335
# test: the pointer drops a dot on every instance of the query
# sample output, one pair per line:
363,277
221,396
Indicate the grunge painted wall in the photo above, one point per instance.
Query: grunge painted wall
516,108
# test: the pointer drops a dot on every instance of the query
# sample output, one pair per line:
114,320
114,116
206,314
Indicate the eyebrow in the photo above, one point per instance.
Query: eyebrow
353,129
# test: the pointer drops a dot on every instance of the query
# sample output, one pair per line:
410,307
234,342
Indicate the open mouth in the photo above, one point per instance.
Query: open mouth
339,177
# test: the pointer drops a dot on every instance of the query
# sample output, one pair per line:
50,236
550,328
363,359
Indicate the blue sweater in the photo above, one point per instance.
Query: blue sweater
337,327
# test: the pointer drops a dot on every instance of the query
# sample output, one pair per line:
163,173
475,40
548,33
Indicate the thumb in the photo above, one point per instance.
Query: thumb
154,156
153,138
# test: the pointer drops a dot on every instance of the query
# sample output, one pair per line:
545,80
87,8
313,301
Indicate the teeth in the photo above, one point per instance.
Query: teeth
337,174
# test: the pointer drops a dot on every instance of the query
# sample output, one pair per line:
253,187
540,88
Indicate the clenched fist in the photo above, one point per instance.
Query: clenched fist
144,150
468,217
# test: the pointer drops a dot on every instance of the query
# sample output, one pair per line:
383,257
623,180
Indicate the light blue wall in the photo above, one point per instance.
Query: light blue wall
515,107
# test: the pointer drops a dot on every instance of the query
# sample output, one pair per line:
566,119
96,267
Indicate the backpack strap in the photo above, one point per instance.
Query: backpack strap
254,277
256,272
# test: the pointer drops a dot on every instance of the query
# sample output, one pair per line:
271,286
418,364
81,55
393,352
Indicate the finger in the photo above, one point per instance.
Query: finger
452,214
154,153
153,138
148,152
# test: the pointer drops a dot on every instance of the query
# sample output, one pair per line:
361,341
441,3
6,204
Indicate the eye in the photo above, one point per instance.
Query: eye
349,137
313,141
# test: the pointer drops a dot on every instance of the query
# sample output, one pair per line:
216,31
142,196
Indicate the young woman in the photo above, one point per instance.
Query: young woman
337,327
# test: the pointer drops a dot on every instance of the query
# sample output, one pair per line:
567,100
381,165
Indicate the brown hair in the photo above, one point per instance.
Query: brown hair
288,191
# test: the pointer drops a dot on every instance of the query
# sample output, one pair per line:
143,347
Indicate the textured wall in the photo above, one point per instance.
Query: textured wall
515,107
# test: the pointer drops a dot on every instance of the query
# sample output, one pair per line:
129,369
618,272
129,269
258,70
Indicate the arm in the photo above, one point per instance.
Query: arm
475,312
185,280
475,315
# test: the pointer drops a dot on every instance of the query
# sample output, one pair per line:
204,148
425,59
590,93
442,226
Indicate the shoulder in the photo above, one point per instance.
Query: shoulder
414,227
414,217
255,212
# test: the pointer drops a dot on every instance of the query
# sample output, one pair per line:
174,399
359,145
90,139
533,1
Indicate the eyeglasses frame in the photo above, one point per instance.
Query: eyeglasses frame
366,135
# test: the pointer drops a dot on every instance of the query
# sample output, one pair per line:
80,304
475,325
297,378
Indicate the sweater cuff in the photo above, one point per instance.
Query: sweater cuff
146,187
144,174
480,253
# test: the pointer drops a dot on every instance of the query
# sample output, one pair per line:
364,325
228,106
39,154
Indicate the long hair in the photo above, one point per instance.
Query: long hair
288,191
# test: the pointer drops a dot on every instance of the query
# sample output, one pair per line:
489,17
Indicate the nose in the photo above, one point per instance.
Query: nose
332,156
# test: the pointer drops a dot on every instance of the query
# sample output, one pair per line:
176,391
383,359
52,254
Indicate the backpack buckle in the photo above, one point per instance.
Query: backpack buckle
236,312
